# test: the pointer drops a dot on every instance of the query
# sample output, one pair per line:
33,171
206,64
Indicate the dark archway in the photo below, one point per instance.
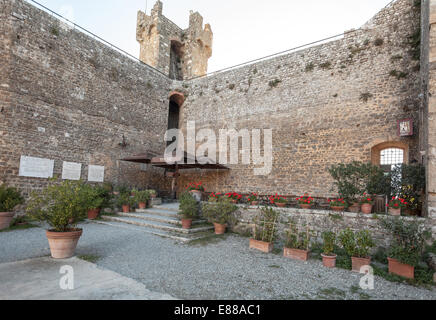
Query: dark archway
176,60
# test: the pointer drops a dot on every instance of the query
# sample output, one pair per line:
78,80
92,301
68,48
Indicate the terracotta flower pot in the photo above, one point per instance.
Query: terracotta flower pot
329,261
281,205
198,195
63,244
305,206
395,212
401,269
126,208
358,263
338,209
254,203
186,223
296,254
355,208
261,245
6,219
220,228
234,201
366,208
153,196
142,205
93,214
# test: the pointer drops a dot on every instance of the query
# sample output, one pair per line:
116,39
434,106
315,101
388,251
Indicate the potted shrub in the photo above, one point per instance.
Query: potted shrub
253,199
406,250
219,213
94,201
395,206
305,202
9,199
297,243
234,197
264,231
357,245
337,204
188,209
61,206
125,201
153,193
366,204
196,189
328,255
279,201
141,198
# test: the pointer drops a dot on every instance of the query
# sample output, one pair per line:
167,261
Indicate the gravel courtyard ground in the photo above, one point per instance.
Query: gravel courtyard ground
222,269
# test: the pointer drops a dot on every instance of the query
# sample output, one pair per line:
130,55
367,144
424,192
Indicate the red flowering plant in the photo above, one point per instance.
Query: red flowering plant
253,197
277,199
215,197
366,199
233,196
306,199
337,202
198,186
397,203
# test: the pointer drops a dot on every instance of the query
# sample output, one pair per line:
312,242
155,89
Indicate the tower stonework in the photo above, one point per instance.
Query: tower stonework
181,54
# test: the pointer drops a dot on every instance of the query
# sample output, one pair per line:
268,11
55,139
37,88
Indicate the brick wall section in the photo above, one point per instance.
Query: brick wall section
318,221
72,98
318,116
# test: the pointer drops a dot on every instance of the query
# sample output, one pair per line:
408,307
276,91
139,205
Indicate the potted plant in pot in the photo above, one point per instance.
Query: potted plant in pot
233,197
406,250
305,202
196,189
61,206
188,209
357,245
94,201
153,193
126,202
297,244
253,199
337,204
264,231
219,212
141,198
366,204
279,201
9,199
328,255
395,206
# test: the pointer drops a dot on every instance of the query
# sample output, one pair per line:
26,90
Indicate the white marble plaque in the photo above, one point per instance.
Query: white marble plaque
96,173
36,167
71,171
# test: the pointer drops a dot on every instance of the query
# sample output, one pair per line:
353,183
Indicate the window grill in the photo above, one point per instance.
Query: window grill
391,157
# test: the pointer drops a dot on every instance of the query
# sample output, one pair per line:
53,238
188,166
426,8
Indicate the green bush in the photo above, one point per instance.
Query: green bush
9,198
266,225
125,199
329,241
408,182
355,178
296,239
409,239
219,211
93,197
60,205
356,244
142,196
189,207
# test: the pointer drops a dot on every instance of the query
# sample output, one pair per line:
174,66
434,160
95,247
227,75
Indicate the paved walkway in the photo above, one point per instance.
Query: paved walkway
224,269
40,279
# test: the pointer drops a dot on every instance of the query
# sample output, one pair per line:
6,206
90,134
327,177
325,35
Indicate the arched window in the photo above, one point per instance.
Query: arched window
391,157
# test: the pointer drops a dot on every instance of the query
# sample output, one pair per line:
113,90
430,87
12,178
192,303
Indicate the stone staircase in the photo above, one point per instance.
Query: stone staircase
161,220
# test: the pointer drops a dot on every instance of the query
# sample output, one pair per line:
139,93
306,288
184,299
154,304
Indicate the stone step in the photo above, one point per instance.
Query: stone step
177,237
169,207
157,225
159,212
156,218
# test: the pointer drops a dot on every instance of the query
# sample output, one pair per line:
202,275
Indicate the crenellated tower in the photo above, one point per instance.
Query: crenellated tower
181,54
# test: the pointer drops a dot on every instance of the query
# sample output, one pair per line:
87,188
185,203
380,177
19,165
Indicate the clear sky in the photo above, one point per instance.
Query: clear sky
243,29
